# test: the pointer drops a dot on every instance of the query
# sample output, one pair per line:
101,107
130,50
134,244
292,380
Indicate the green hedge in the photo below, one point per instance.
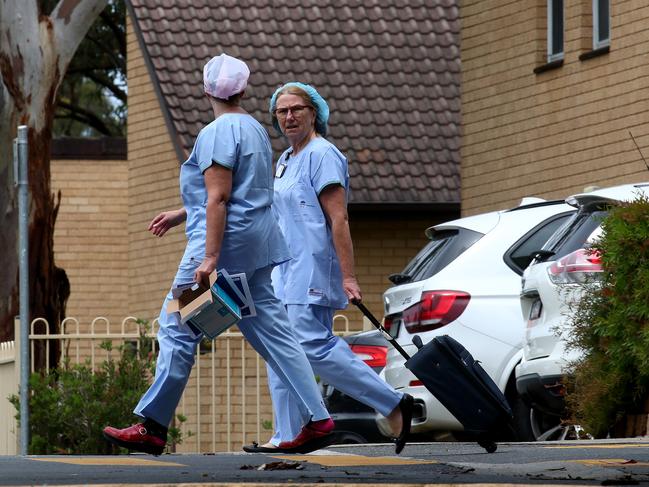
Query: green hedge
70,406
611,326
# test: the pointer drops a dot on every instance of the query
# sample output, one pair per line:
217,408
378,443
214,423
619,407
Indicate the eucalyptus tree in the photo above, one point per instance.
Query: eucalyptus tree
35,51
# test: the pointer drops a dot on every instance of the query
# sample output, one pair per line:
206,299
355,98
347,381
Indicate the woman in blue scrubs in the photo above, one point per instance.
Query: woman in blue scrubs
311,187
226,188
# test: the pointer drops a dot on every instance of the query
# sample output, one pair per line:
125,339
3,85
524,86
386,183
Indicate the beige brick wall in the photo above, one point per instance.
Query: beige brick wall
153,187
550,134
91,238
381,248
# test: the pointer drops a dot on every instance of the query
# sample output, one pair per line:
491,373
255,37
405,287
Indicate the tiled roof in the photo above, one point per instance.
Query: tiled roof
390,71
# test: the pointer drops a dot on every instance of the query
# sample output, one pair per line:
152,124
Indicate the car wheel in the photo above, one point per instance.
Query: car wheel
521,428
522,422
550,428
529,424
545,426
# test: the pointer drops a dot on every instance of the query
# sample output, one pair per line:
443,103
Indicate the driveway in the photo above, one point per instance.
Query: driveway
580,462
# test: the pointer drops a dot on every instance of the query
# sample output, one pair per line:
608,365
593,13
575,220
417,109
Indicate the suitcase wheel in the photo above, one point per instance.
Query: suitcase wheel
488,445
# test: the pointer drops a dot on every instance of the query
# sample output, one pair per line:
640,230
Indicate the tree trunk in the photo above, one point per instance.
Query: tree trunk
49,285
35,51
8,230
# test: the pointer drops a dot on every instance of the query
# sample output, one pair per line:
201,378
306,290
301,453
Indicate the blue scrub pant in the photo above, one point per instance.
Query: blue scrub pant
335,363
268,333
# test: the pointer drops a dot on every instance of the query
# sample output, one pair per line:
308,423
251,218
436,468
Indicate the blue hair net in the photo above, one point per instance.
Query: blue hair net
321,107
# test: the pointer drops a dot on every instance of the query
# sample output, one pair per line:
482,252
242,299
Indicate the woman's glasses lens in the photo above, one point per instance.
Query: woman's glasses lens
296,110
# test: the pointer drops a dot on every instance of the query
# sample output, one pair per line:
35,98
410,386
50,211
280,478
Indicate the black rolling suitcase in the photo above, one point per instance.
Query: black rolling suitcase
458,381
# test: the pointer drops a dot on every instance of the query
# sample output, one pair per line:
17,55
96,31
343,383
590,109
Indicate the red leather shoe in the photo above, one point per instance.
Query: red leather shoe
137,438
313,436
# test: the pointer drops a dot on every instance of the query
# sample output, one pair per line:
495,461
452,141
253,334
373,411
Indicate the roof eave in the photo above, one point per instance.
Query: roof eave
404,209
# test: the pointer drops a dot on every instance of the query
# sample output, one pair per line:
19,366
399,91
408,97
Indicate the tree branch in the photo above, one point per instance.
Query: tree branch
85,116
71,20
18,22
118,33
107,83
18,27
116,60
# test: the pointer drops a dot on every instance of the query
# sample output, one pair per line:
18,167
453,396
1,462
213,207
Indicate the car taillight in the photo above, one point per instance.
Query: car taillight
578,267
436,309
372,355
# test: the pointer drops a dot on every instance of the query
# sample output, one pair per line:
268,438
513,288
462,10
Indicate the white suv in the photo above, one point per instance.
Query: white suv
466,283
550,290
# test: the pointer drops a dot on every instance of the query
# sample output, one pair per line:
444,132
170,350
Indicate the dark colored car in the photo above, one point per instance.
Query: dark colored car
355,422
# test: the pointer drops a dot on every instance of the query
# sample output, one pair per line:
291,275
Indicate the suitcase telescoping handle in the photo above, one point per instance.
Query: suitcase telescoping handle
379,326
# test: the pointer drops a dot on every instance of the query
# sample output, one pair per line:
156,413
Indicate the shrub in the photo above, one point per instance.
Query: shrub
71,405
611,325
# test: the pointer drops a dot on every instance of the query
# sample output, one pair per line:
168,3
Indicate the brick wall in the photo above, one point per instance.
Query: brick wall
381,248
91,238
550,134
153,187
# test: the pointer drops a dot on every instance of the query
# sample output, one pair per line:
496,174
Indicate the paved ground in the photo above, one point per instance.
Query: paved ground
557,463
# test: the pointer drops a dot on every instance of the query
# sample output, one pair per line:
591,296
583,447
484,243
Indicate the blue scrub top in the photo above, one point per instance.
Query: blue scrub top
252,238
313,275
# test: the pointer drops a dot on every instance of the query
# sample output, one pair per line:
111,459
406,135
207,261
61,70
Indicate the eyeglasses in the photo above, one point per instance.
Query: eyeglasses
296,110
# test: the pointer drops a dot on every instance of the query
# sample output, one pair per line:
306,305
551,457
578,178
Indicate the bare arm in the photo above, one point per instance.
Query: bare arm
167,220
332,200
218,182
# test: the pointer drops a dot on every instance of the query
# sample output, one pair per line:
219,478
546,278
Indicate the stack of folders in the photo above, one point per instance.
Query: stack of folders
211,311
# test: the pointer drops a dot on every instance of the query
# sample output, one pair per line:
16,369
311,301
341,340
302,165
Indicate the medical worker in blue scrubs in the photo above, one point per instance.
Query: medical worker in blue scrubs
311,187
226,188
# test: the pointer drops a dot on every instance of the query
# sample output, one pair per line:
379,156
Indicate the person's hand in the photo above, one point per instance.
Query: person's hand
352,289
202,274
164,221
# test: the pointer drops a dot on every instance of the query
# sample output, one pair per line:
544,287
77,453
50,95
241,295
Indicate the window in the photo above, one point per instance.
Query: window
576,231
555,30
601,23
519,256
445,246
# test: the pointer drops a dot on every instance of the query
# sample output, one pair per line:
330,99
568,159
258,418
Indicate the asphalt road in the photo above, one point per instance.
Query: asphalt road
558,463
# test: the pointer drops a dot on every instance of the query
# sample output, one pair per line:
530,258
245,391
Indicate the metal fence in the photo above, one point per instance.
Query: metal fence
226,401
8,385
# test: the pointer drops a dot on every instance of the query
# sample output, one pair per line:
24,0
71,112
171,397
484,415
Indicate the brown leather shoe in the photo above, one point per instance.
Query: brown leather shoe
137,438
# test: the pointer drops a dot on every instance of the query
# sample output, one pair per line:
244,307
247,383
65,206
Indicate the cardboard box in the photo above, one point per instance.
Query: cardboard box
210,311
